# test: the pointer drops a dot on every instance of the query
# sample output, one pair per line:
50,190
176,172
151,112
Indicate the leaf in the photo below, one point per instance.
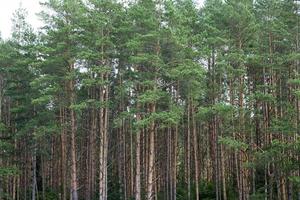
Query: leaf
42,100
79,107
233,143
8,171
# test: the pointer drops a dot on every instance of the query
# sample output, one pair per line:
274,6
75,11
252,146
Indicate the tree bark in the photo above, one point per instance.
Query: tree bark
74,184
138,160
151,166
195,141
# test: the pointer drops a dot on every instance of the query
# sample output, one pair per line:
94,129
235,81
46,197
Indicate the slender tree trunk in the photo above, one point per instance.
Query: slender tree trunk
74,184
195,141
151,166
63,155
138,160
223,172
175,164
132,180
101,151
103,141
188,166
106,140
34,182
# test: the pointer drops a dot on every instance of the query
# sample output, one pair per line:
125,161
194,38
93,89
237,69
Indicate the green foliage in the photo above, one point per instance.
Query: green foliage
233,143
42,100
79,107
167,118
222,110
8,171
297,93
258,195
5,147
234,63
295,180
2,127
264,97
43,131
51,194
275,153
207,191
150,96
283,126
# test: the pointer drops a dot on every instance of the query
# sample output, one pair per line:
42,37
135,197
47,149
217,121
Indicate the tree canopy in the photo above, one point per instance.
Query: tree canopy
152,99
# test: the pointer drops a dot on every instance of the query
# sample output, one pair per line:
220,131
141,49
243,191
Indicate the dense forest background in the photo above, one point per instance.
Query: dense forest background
152,99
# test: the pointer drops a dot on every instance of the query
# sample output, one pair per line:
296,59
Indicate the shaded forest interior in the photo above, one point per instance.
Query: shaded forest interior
152,99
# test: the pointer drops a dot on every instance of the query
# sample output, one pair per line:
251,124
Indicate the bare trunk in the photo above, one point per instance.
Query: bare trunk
34,182
195,141
223,172
188,167
74,184
63,156
138,161
151,166
101,152
174,175
103,142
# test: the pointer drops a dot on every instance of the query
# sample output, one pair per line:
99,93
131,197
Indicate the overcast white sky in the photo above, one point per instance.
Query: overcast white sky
8,7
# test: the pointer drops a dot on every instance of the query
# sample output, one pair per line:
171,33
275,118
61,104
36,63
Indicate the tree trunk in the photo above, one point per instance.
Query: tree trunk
188,166
103,141
151,166
63,155
74,184
195,141
138,160
34,182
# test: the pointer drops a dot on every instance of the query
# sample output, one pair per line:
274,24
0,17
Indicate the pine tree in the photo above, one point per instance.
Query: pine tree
154,99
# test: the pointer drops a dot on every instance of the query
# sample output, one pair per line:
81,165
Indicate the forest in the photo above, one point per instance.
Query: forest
152,100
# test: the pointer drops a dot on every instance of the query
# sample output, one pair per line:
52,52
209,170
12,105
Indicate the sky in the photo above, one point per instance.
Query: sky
7,9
